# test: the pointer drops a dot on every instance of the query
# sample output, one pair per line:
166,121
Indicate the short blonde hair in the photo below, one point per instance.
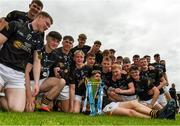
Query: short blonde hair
79,52
115,66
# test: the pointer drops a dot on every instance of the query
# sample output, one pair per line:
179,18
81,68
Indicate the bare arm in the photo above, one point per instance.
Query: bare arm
27,77
130,90
3,39
29,99
162,83
156,92
166,78
36,72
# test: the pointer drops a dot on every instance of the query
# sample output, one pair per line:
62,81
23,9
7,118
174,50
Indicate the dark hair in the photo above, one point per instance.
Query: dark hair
97,42
119,57
68,37
45,14
90,55
143,59
112,50
95,72
113,58
126,60
136,56
133,68
82,36
156,55
146,56
55,34
38,2
106,52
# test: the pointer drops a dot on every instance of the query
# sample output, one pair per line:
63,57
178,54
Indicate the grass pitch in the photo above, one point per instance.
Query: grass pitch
58,118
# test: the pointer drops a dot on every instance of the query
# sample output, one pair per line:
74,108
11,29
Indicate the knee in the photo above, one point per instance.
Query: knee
76,110
56,82
133,103
62,82
16,108
65,108
131,113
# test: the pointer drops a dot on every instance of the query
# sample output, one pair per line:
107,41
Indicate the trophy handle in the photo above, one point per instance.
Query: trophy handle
91,100
100,97
89,96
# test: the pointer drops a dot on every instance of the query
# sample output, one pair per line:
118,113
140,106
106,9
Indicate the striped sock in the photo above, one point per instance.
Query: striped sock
45,101
154,113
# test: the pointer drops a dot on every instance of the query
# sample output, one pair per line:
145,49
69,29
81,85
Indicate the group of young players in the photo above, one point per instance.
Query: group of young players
47,77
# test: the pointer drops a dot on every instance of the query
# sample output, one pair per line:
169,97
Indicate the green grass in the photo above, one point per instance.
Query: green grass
57,118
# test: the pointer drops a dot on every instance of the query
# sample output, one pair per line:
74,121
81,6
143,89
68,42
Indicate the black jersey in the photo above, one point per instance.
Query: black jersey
90,70
47,61
142,87
126,75
65,64
21,17
122,83
99,57
172,92
21,44
78,77
154,76
106,77
160,67
18,16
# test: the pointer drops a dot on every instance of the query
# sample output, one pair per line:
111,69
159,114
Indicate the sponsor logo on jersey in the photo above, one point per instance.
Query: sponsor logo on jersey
20,45
17,44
